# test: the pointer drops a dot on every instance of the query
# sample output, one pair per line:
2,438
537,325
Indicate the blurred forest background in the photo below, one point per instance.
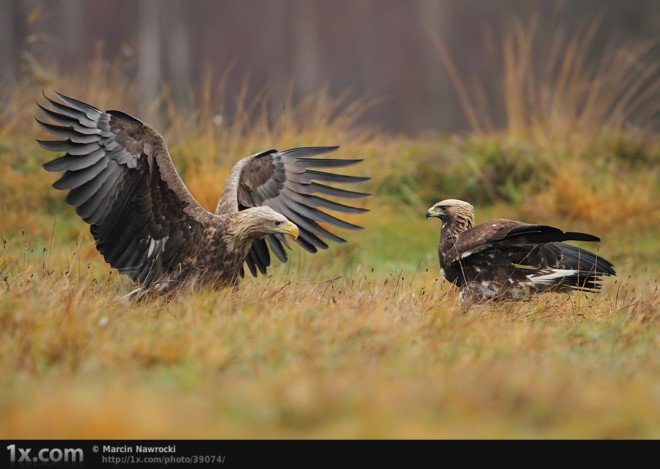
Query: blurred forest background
371,49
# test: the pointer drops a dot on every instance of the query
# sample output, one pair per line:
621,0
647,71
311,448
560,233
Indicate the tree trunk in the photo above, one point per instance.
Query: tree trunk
178,50
306,60
149,51
7,47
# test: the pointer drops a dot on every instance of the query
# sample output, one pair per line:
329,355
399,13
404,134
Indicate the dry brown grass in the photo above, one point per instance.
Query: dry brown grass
629,204
365,355
560,88
364,341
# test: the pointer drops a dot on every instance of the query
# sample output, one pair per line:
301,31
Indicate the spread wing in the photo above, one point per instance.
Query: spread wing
121,180
534,254
293,183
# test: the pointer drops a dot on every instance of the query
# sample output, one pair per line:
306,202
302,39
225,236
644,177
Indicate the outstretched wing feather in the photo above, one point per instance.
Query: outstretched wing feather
290,183
122,182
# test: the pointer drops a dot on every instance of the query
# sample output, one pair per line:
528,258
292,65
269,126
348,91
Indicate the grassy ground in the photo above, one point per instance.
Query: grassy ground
382,351
361,341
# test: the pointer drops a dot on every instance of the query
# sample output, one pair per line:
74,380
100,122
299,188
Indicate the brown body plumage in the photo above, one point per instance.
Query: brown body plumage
122,181
511,260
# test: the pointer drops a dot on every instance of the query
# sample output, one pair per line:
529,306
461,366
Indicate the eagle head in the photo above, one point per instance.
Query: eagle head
258,222
452,209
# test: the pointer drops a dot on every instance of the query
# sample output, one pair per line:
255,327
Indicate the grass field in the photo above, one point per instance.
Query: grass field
364,340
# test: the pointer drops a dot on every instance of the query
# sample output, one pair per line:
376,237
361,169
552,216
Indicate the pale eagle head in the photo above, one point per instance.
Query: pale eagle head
261,221
451,209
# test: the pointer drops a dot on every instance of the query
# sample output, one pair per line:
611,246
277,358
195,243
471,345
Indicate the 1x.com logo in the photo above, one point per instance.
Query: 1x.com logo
45,455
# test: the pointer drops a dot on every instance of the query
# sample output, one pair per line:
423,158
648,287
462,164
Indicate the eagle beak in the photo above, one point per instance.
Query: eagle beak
432,212
290,229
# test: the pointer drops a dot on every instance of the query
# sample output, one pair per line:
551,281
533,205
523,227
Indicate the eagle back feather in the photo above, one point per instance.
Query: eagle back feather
506,258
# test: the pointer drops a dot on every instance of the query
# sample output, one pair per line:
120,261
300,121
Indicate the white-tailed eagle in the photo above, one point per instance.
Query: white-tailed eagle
121,180
511,260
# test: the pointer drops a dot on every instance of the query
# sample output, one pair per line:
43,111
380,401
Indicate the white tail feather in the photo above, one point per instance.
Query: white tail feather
548,277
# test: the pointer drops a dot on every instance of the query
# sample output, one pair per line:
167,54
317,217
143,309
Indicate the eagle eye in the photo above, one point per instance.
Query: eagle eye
278,223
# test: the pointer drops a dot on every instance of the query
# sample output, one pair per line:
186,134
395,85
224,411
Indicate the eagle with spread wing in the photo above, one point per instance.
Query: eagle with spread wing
511,260
123,183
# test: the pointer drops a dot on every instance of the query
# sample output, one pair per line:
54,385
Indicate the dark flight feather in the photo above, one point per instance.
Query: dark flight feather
287,182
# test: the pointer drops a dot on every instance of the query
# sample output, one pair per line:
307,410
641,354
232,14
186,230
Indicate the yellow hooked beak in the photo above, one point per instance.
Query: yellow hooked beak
433,212
288,228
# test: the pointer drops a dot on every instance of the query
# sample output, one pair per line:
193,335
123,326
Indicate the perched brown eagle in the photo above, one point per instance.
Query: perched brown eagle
511,260
146,224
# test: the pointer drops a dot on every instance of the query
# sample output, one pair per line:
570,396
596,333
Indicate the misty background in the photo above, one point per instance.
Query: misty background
380,50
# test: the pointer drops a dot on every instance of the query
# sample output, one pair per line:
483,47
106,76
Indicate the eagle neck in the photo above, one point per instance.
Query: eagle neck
228,203
455,226
241,232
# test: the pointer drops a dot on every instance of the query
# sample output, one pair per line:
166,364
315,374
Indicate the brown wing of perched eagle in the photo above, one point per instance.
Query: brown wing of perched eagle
146,224
511,260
